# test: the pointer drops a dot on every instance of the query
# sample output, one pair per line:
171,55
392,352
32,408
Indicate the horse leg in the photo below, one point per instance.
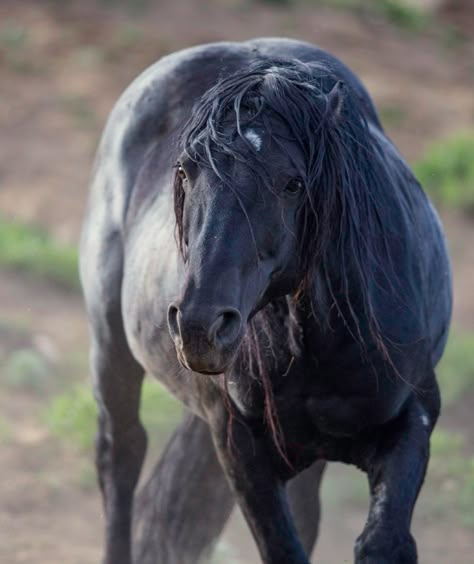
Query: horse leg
396,470
117,380
187,483
244,453
120,441
185,504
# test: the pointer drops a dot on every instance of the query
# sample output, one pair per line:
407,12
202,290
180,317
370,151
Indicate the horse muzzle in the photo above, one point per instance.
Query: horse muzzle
206,338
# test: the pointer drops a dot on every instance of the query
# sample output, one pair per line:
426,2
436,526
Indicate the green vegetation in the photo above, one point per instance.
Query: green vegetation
13,35
401,13
16,47
72,415
455,371
28,370
452,474
447,172
28,249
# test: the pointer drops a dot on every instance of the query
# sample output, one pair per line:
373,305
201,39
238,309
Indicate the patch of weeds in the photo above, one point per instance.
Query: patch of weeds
25,65
447,172
27,370
72,415
15,49
80,110
451,475
31,250
453,37
13,35
159,410
402,14
455,371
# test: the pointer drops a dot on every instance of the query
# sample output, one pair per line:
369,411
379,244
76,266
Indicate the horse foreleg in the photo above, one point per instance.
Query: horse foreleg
185,504
396,469
120,442
182,509
246,458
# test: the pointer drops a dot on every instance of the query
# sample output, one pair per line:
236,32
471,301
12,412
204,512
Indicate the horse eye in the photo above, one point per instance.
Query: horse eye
181,173
294,186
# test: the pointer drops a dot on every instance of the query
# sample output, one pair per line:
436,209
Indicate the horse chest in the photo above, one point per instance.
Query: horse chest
305,404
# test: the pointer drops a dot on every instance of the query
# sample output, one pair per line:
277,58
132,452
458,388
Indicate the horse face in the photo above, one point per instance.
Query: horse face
240,233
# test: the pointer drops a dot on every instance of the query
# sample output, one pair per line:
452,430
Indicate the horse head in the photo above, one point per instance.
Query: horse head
250,226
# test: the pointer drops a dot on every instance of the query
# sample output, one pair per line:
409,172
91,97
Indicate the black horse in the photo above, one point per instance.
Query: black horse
256,242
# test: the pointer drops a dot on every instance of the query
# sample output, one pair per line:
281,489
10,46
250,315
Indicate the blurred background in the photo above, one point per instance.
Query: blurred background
63,63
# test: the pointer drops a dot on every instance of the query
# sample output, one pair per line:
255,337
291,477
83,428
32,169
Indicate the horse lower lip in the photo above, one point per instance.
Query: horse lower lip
209,373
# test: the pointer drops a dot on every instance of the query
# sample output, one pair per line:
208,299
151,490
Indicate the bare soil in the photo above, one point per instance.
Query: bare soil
57,86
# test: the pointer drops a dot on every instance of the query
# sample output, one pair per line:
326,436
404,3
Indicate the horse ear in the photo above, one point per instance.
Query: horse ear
336,100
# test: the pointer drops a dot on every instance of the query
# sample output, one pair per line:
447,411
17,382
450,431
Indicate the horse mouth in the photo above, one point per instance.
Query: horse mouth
198,366
210,373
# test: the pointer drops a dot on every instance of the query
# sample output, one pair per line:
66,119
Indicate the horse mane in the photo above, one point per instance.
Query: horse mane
354,181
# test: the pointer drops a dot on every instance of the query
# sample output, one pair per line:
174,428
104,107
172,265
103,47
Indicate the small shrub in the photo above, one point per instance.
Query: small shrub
403,15
31,250
28,370
447,172
13,35
455,371
72,415
452,474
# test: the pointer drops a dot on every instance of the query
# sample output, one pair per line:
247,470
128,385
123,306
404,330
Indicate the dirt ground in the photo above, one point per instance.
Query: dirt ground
60,73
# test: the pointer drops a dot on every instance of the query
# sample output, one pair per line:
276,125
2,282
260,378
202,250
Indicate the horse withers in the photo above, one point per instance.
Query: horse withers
256,242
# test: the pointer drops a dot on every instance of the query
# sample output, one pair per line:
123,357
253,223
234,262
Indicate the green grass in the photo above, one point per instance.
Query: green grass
447,172
451,474
71,415
31,250
455,371
26,369
13,35
401,14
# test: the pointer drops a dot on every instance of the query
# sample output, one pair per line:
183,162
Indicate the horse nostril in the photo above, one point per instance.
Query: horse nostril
173,324
226,327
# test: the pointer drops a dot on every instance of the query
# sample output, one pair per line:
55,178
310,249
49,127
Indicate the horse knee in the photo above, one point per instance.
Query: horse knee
119,457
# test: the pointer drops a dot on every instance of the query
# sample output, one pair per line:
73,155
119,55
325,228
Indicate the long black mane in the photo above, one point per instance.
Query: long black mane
351,187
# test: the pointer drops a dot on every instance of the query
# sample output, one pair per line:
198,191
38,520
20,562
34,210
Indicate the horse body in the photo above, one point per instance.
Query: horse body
312,381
